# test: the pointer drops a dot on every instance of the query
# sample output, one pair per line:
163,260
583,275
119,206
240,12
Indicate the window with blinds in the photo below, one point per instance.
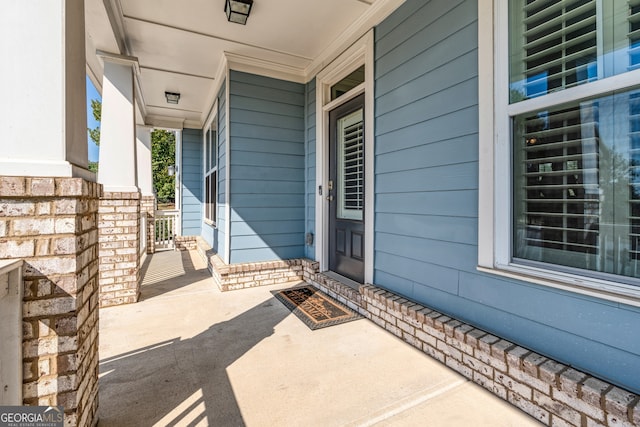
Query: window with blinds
576,194
634,34
576,164
210,174
634,174
351,166
559,44
558,197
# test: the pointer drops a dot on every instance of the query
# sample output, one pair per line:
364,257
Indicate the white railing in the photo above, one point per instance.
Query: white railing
11,289
165,227
143,233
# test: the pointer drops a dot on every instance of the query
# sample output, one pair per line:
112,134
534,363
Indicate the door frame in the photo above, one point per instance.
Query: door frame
360,53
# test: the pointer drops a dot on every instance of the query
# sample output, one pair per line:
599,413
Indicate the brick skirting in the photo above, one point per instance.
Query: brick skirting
549,391
229,277
186,243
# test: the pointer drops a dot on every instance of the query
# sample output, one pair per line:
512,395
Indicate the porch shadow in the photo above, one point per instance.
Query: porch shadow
184,381
165,272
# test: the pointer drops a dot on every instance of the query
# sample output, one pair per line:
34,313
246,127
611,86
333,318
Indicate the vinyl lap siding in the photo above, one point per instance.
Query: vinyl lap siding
267,168
427,200
192,179
310,170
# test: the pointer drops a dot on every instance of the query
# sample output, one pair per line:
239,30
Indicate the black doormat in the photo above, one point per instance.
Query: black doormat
315,308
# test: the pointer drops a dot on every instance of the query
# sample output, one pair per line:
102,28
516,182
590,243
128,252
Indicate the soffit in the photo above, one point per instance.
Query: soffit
180,45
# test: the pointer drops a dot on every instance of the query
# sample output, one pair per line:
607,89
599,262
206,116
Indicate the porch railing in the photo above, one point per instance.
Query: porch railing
165,227
11,332
143,233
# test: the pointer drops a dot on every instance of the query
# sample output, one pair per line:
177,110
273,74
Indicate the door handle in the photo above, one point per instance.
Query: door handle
330,198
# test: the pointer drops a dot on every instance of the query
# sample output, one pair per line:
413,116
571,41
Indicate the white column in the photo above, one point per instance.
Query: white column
118,125
143,147
43,105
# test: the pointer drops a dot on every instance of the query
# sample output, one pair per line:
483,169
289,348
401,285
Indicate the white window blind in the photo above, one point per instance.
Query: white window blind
351,166
558,196
557,47
634,34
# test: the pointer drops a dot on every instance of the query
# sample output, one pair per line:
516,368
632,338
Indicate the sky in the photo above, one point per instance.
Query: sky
92,93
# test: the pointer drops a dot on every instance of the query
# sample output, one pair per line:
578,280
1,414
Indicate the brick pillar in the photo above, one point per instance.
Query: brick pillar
51,223
148,205
119,238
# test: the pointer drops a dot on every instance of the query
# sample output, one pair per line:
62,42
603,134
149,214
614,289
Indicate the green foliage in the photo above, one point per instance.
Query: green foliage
163,154
94,134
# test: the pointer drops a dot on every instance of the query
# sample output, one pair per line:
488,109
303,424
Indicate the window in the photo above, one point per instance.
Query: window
567,132
210,174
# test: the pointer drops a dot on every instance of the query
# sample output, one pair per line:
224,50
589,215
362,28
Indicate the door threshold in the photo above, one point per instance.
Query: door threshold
344,280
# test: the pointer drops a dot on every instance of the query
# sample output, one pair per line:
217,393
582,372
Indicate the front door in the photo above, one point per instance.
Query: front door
346,189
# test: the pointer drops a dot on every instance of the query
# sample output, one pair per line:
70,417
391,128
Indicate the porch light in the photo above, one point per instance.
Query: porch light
238,10
172,97
171,170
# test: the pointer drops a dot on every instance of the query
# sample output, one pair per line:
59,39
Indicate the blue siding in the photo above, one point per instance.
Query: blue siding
215,235
310,170
427,201
191,182
219,234
267,142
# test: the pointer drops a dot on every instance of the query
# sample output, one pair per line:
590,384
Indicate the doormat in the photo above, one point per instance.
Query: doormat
315,308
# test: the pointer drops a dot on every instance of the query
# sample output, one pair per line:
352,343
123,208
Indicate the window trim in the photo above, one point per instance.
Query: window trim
495,160
213,151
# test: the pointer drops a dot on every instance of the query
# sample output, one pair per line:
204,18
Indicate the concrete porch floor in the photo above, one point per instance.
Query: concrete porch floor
188,354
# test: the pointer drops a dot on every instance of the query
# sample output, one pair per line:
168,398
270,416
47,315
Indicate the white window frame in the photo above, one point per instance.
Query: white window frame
495,160
207,157
360,53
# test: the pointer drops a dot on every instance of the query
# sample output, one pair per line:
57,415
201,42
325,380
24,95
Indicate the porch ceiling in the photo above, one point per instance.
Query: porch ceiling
181,45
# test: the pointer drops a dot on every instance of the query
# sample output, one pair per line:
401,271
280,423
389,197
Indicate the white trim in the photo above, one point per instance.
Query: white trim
120,188
29,167
369,149
265,68
602,289
227,195
495,170
178,181
485,133
119,59
166,122
377,13
587,90
502,141
374,15
205,156
345,97
355,56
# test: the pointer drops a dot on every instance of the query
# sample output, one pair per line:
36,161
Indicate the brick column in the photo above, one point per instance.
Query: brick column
119,238
148,205
51,223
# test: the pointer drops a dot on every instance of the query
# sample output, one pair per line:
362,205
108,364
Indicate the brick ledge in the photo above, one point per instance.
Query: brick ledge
551,392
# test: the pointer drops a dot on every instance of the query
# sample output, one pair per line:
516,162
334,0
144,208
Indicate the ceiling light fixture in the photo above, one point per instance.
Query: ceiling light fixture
172,97
238,10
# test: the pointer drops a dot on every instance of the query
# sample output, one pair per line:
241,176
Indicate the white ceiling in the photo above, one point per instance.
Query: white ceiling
180,44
